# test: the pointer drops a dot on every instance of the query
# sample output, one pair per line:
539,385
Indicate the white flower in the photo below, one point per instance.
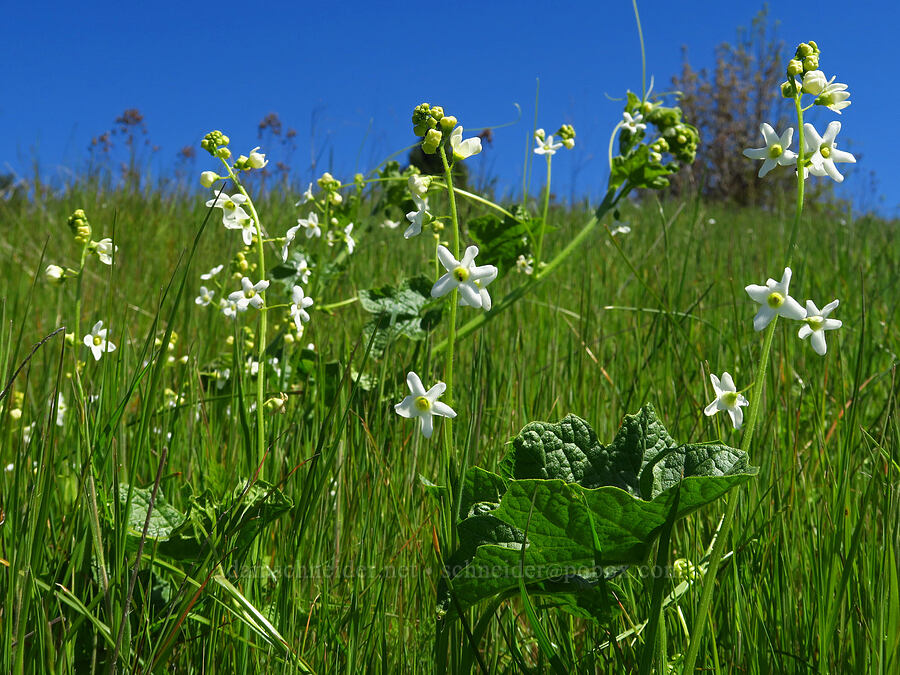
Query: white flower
416,218
816,323
298,308
727,398
222,378
423,404
257,160
834,96
351,244
213,272
776,151
525,265
232,213
208,178
55,273
418,184
303,269
390,224
633,124
546,147
310,225
9,468
229,307
96,341
61,409
774,299
306,197
463,274
289,237
105,250
205,296
463,149
27,432
539,134
823,151
620,229
249,295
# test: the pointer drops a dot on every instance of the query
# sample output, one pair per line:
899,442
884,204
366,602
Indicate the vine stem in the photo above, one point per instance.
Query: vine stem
725,526
263,323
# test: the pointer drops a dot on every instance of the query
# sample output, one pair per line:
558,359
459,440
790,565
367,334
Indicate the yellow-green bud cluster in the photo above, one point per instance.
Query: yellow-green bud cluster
432,141
431,122
81,228
806,58
215,143
566,134
328,182
678,138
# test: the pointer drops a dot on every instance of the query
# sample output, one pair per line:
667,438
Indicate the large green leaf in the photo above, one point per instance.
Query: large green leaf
407,309
501,241
588,509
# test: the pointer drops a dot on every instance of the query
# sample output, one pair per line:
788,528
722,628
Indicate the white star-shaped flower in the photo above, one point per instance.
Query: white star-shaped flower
298,308
232,213
776,151
823,153
774,299
525,265
229,307
834,96
105,250
423,404
249,295
418,185
310,225
416,218
213,272
727,398
633,124
546,146
816,323
96,341
463,274
463,149
205,296
483,295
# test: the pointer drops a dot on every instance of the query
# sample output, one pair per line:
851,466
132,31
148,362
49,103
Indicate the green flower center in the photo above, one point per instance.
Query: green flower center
775,300
422,404
825,151
460,274
730,398
775,150
230,205
815,322
249,293
98,340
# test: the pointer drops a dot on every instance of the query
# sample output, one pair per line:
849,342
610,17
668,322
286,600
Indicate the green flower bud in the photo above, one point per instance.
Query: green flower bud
431,142
55,274
447,123
422,119
795,67
811,62
80,227
804,50
789,88
566,132
360,181
814,46
242,163
437,113
223,153
208,178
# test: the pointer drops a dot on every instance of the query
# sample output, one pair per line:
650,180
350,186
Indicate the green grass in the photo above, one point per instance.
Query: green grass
811,586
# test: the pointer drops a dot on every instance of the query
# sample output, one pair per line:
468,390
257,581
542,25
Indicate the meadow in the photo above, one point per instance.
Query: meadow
177,505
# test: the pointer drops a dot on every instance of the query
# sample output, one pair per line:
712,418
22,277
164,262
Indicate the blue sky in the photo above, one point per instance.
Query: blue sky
347,75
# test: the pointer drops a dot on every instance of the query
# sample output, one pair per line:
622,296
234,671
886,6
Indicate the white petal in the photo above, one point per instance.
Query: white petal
442,409
818,342
805,331
754,153
762,318
737,416
831,132
415,384
712,408
435,392
443,285
791,309
469,256
727,382
406,407
470,294
832,324
427,425
447,260
757,293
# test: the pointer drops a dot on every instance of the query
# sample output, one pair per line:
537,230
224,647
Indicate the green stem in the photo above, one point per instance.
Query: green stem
801,160
544,210
263,325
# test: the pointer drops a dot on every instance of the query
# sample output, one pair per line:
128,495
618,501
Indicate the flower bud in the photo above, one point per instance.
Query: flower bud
789,88
814,82
431,142
437,113
540,135
794,67
208,178
80,227
811,62
335,198
257,160
566,132
447,123
422,119
223,153
804,50
55,274
70,339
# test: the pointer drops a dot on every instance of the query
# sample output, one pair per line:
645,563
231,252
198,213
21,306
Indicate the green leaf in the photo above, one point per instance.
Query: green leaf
407,309
588,509
501,241
637,168
164,517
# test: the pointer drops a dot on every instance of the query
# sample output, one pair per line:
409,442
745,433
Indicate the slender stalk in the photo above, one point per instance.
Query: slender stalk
262,338
545,208
746,441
